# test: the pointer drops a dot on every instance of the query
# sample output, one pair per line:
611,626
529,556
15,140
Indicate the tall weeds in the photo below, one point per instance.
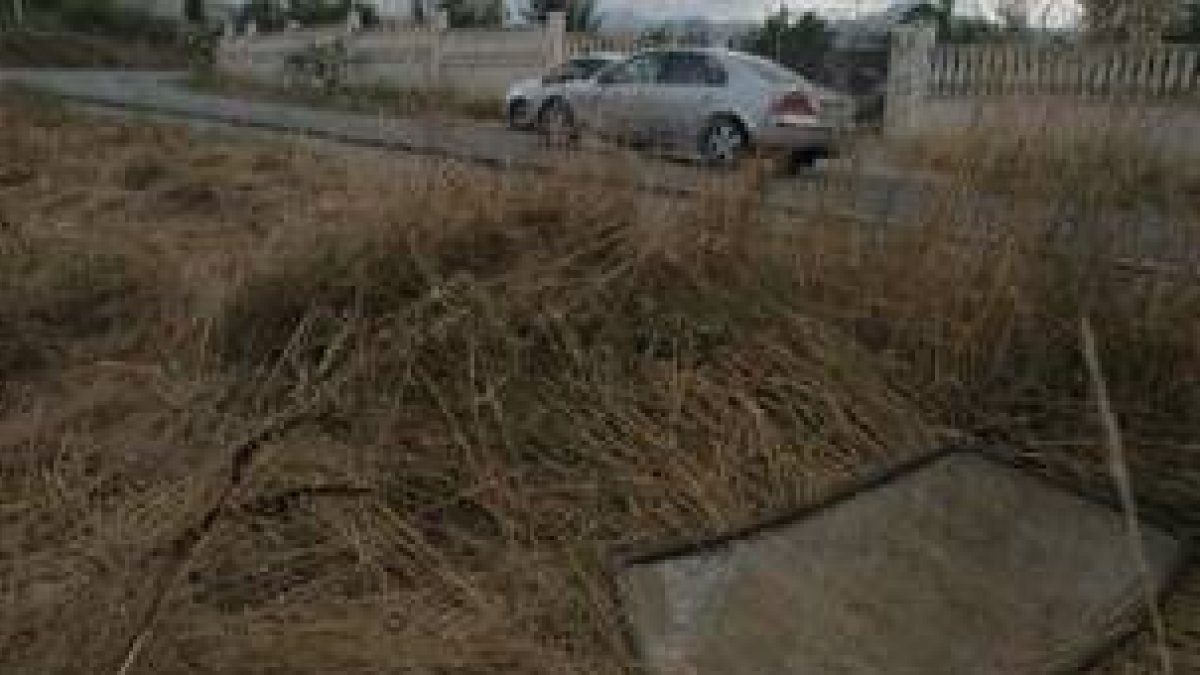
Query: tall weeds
517,378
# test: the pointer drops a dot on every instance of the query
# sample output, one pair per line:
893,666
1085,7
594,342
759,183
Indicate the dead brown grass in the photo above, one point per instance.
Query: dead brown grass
502,382
1042,162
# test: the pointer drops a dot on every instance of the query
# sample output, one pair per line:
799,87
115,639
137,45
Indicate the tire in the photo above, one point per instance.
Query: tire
802,161
518,115
724,142
556,122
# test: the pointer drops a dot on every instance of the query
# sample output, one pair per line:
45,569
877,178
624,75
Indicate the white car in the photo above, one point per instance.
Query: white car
527,98
716,103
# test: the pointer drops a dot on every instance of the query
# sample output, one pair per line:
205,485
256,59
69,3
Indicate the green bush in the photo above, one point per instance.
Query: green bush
104,17
271,15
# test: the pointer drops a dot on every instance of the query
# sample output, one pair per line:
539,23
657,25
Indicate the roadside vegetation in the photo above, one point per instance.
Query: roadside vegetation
1042,163
30,49
87,34
267,408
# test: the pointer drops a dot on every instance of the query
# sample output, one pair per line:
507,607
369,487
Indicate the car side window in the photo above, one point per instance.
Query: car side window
642,69
694,70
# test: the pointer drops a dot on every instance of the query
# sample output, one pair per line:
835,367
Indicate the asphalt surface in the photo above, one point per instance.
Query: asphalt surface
867,193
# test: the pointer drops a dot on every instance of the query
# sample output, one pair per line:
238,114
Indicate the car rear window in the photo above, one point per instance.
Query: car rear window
769,70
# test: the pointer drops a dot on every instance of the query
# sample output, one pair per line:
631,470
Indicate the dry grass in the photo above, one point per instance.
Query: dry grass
499,383
1040,161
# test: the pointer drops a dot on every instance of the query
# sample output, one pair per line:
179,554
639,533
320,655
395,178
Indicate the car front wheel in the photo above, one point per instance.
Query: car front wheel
556,121
724,142
518,114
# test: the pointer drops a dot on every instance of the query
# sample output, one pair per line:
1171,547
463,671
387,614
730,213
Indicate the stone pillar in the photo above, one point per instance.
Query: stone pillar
556,38
911,61
354,20
251,28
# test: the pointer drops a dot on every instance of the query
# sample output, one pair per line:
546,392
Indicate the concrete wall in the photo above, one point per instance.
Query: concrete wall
477,62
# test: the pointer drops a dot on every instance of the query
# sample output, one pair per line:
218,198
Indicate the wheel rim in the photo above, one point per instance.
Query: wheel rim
724,143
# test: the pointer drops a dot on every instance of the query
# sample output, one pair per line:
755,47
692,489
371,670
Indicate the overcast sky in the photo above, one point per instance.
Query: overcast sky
1056,12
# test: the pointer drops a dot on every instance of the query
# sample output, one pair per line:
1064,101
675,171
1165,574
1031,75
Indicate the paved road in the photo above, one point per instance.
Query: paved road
878,196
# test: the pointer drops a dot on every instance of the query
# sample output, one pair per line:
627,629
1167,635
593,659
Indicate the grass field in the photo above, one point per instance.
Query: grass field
267,408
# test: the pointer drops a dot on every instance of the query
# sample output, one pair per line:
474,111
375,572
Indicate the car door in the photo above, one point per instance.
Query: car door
624,106
691,88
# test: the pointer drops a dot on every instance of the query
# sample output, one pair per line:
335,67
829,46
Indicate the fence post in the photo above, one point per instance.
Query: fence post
437,39
908,77
556,38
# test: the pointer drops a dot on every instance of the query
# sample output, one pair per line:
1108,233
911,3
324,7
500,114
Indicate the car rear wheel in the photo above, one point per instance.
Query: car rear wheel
724,142
556,122
518,114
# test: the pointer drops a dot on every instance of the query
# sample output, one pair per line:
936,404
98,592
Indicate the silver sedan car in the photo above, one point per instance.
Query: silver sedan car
715,103
526,98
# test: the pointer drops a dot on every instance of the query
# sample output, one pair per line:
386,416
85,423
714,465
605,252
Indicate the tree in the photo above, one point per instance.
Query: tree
939,12
1130,20
800,43
959,29
1187,27
656,36
583,16
472,13
317,12
18,12
1013,16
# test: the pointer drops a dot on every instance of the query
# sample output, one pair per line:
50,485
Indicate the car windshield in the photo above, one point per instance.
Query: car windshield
769,70
577,69
585,68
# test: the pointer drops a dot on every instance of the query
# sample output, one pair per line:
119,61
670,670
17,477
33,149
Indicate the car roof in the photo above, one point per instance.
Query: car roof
718,51
606,56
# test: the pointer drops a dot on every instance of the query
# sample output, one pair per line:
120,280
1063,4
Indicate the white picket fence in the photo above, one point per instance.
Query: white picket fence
1079,88
583,43
1085,70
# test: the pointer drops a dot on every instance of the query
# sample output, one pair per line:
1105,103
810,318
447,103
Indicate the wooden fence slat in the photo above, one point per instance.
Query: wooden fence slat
1100,70
953,64
1128,71
993,69
1040,69
937,75
1112,72
1189,78
1178,83
1145,86
1011,53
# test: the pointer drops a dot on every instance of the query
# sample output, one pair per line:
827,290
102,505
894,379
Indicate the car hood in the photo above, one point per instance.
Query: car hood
525,86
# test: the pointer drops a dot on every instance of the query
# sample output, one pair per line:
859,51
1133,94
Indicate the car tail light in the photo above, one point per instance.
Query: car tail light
795,103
